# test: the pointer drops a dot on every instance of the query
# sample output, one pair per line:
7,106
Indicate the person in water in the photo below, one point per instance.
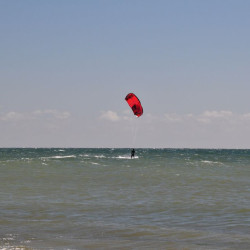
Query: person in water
132,153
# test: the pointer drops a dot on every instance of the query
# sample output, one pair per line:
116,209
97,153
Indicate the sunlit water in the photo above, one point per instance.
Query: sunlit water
101,199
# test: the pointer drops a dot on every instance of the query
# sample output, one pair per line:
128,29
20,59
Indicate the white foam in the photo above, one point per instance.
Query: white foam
63,156
95,163
211,162
59,157
100,156
125,157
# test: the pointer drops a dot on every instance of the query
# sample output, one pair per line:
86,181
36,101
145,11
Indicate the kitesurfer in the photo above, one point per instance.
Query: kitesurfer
132,153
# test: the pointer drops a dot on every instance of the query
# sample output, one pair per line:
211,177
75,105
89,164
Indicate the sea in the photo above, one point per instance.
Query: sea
100,198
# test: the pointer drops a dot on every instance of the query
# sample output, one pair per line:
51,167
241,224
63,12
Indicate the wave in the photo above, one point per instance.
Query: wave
211,162
58,157
95,163
124,157
100,156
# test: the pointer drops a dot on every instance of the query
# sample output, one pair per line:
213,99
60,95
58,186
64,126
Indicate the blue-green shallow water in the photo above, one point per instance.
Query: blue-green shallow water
101,199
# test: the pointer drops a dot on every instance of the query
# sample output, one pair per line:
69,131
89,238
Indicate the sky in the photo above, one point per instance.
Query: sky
66,67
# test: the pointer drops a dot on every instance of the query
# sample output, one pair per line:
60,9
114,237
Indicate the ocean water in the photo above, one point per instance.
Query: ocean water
101,199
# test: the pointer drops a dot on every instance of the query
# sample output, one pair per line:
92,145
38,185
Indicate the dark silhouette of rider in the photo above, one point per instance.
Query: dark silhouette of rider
132,153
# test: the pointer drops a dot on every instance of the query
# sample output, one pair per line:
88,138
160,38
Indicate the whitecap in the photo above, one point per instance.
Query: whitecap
95,163
63,156
100,156
58,157
211,162
125,157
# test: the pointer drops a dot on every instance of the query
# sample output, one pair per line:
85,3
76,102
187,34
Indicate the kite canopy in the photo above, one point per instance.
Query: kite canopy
134,104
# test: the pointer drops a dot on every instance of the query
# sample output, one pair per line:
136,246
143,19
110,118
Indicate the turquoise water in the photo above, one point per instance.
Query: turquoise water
101,199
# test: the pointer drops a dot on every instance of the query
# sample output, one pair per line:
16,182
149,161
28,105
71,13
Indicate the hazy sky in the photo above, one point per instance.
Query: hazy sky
66,67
